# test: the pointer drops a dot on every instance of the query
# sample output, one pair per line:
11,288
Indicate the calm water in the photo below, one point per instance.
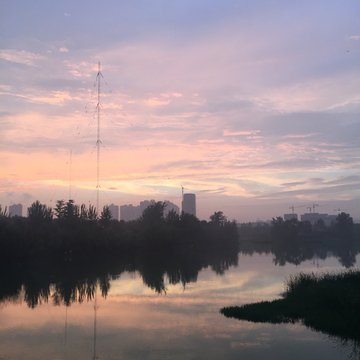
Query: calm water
136,322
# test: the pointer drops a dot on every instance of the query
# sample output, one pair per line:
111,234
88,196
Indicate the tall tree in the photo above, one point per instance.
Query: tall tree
60,209
218,218
105,216
344,224
154,214
38,213
4,212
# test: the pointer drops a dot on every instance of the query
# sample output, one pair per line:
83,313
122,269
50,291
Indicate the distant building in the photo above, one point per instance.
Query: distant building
143,205
171,206
188,204
114,209
330,220
290,216
15,210
131,212
314,217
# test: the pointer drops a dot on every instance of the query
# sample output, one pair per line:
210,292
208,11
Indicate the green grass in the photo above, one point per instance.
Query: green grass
327,302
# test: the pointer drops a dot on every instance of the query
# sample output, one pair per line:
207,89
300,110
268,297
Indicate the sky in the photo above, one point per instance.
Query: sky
251,105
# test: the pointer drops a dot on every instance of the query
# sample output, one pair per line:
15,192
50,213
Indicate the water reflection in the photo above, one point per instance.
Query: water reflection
347,346
298,252
76,281
340,331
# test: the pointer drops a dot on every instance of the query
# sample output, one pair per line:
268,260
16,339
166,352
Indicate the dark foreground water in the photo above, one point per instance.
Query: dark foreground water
136,322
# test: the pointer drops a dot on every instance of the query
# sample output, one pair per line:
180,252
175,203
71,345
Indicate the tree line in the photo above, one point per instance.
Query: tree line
70,230
280,230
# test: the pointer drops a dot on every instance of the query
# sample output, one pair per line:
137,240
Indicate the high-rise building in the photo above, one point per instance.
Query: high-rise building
188,204
15,210
143,205
114,209
129,212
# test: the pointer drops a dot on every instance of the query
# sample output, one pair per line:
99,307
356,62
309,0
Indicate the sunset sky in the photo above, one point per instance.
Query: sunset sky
254,106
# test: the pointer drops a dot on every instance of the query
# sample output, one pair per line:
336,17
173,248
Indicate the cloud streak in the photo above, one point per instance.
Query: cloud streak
20,57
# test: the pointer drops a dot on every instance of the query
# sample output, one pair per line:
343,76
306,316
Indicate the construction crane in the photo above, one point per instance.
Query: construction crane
313,206
296,207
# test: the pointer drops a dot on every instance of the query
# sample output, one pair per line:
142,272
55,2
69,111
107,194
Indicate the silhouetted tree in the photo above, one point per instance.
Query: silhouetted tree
4,212
60,209
305,227
218,218
67,212
92,213
105,216
276,226
189,222
84,213
40,218
39,213
344,225
278,222
285,230
153,214
172,217
319,225
71,211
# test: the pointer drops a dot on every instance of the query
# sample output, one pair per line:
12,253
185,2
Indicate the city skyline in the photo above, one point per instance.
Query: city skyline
253,108
129,212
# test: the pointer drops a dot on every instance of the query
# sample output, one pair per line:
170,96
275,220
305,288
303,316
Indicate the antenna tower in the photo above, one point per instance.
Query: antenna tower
98,141
70,174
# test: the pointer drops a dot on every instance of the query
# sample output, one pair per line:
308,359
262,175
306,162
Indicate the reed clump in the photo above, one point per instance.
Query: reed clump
335,290
327,302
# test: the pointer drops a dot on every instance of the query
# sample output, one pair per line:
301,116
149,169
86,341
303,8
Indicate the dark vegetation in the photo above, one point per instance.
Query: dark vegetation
329,303
279,230
71,231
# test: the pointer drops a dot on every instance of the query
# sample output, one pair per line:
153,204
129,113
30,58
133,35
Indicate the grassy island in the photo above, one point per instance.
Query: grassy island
327,302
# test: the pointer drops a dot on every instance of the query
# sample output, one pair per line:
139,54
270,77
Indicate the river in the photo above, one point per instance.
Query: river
173,320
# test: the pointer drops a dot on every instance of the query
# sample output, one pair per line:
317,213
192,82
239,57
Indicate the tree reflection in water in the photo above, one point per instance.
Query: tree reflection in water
68,282
349,346
294,252
65,282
